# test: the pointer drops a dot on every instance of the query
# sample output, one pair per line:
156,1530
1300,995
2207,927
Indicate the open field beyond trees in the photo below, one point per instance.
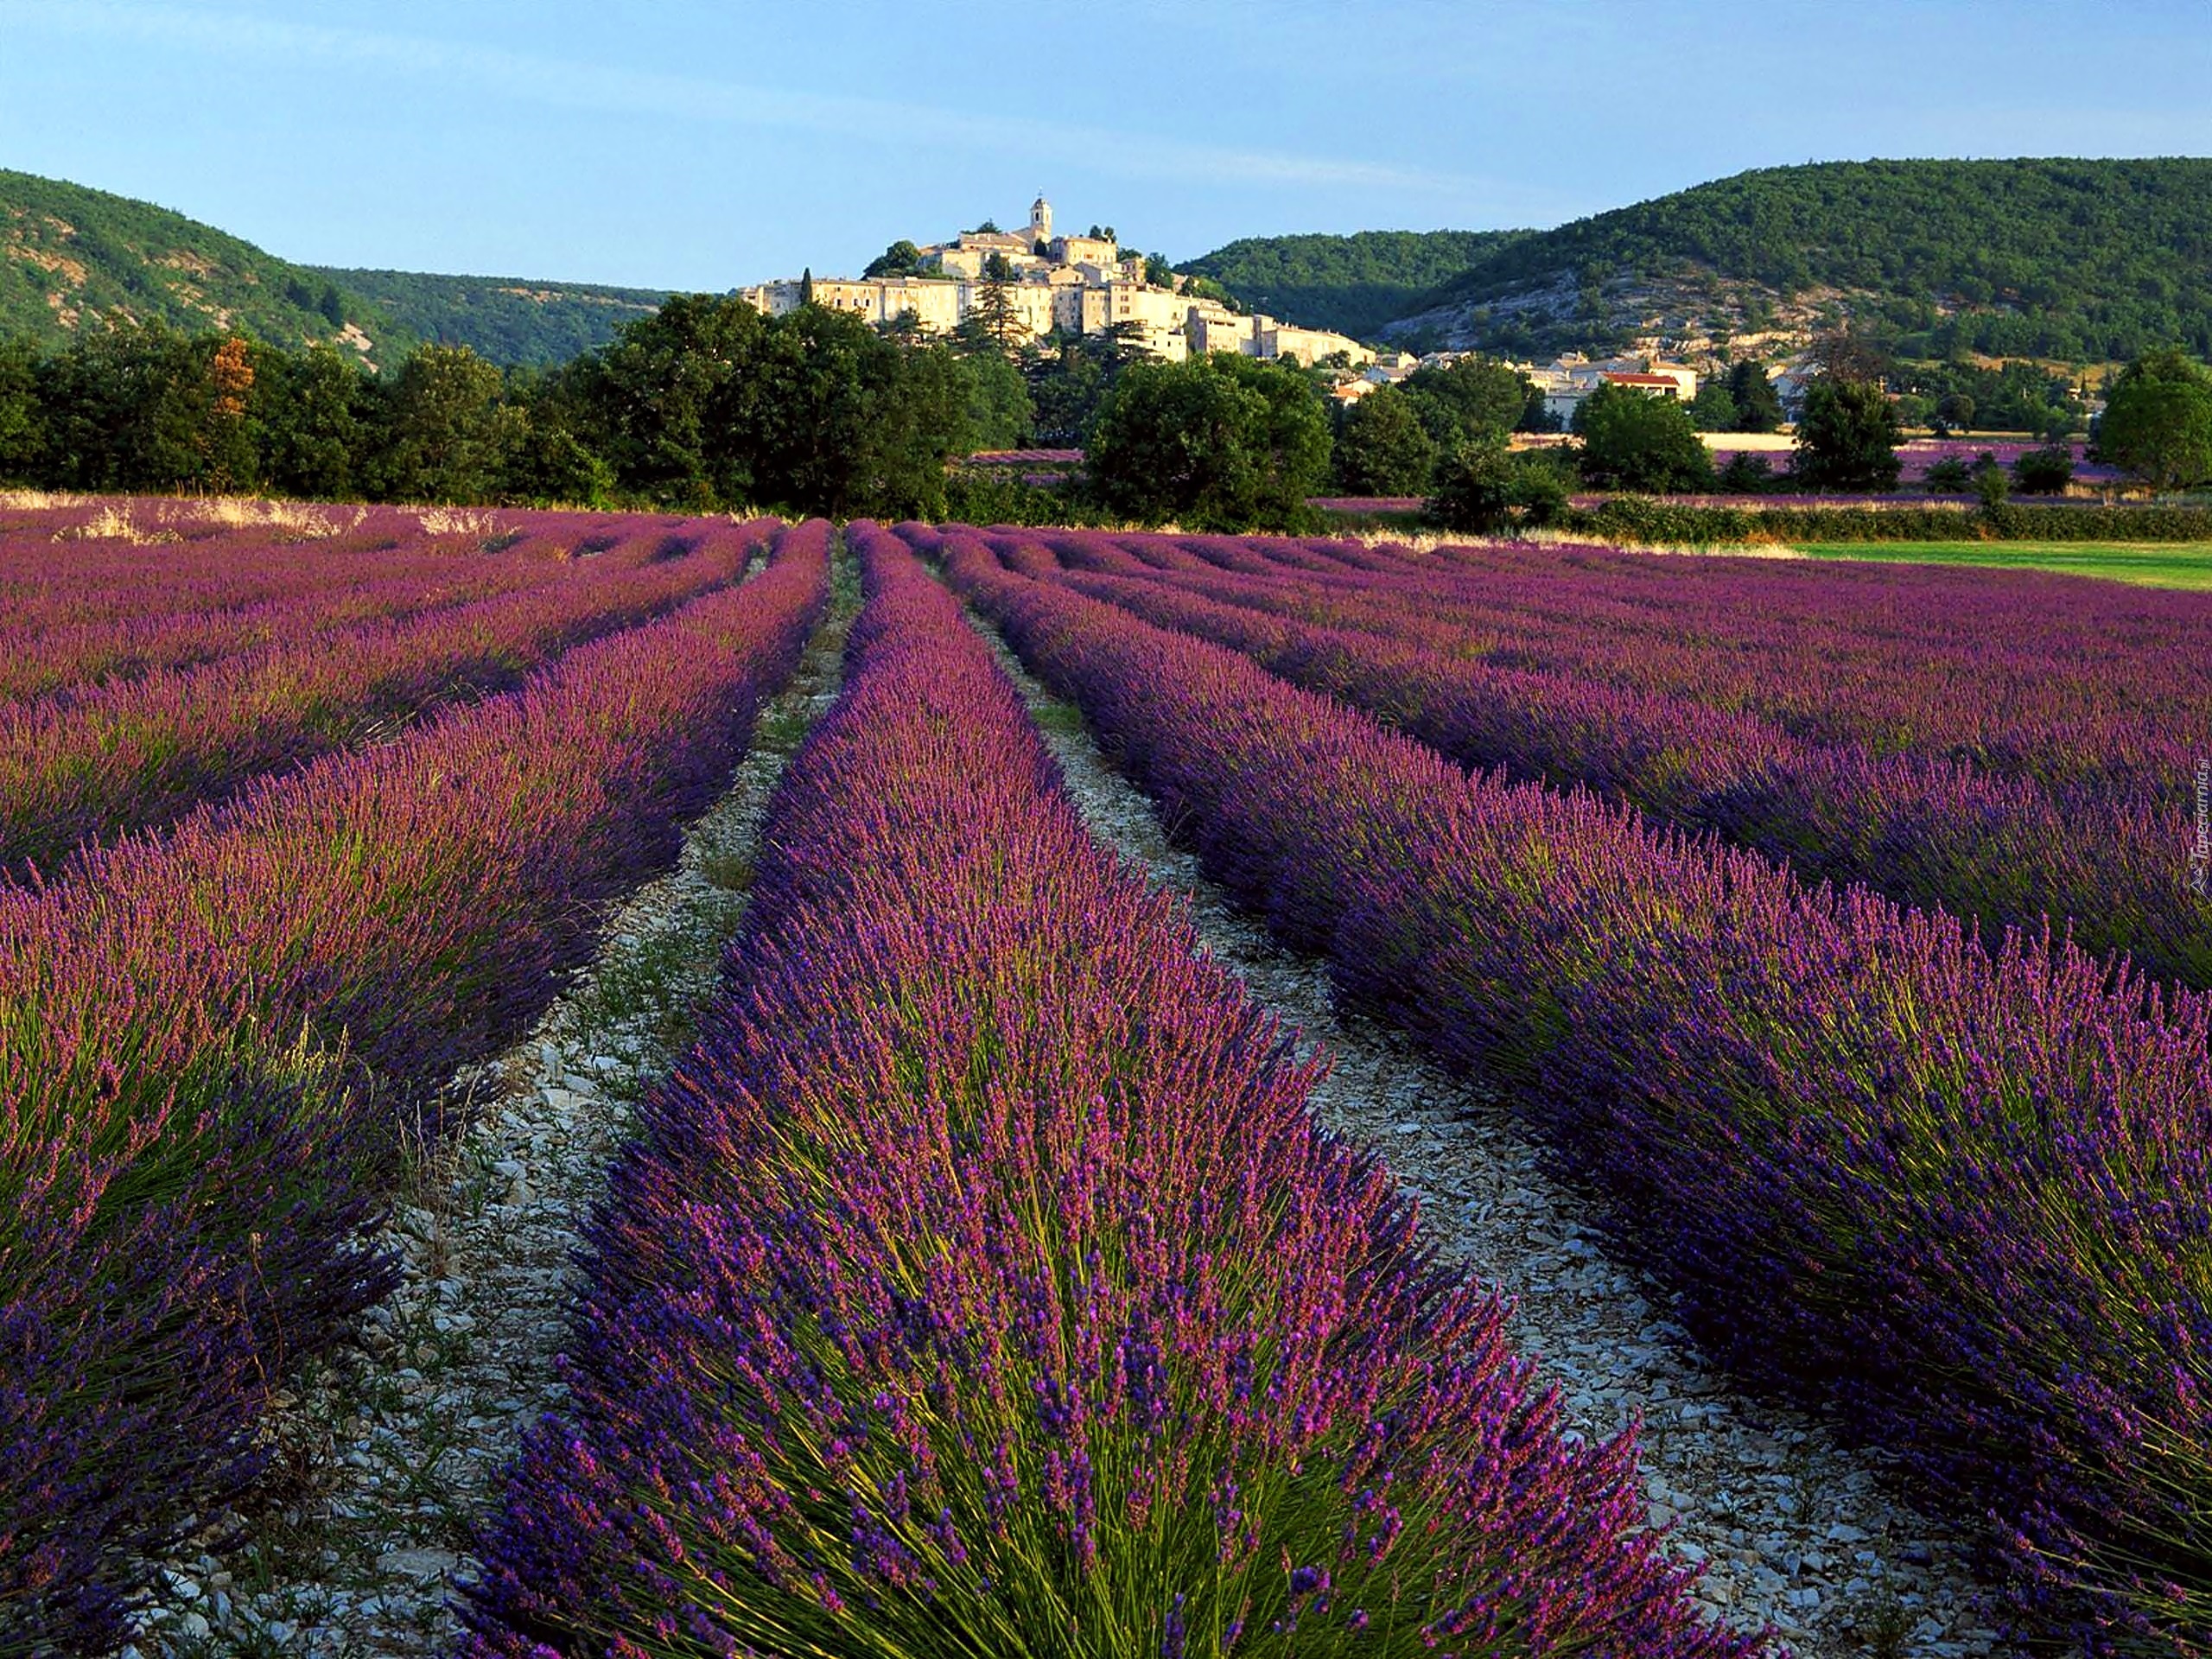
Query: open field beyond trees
2176,564
583,1084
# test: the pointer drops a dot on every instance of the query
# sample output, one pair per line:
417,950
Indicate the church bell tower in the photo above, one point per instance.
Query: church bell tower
1040,221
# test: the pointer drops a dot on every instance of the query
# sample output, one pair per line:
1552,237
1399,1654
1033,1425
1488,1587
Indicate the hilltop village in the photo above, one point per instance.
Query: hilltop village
1051,283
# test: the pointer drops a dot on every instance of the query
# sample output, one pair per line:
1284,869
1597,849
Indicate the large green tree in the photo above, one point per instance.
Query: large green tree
314,412
901,259
2157,422
659,402
1220,442
1633,440
1847,437
1468,401
1381,447
143,408
449,432
1487,490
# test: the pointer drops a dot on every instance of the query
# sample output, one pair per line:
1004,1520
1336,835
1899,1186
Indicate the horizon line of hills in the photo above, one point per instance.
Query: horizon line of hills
2074,261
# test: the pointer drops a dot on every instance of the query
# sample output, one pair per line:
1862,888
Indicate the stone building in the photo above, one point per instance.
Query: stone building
1077,285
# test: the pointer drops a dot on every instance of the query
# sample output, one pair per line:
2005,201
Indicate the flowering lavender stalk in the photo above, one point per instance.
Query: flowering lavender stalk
209,1044
1958,1196
981,1284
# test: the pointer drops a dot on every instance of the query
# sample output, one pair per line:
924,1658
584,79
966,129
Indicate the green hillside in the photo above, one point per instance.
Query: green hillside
2082,260
1351,283
509,321
72,258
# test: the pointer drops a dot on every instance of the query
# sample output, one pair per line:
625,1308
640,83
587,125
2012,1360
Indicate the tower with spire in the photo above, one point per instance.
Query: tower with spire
1040,221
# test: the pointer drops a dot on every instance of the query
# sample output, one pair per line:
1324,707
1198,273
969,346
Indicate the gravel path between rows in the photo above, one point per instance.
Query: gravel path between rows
1792,1528
389,1454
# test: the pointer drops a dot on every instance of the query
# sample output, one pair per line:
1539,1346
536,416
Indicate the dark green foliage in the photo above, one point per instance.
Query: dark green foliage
2044,472
132,408
1847,438
1954,412
998,495
703,406
1486,489
660,401
2078,260
1758,408
2157,422
451,434
315,411
1638,518
1633,440
1991,487
1713,410
1219,442
1351,283
1747,473
1471,400
22,432
1965,397
512,322
1950,476
901,259
1381,447
999,413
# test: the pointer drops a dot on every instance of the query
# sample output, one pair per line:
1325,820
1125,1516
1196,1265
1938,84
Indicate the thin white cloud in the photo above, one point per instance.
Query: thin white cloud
610,90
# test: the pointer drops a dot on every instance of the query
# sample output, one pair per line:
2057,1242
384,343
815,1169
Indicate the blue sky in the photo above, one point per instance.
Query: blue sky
677,143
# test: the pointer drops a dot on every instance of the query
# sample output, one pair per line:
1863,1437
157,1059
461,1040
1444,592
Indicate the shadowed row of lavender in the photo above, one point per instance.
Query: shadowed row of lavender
1959,1196
980,1283
214,1045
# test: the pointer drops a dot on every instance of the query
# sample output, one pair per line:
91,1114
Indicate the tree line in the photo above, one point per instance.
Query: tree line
707,405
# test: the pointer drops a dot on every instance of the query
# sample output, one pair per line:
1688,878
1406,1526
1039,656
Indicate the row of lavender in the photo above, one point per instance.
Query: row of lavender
2074,683
212,1045
1959,1196
53,572
2014,674
1934,832
78,613
133,753
981,1284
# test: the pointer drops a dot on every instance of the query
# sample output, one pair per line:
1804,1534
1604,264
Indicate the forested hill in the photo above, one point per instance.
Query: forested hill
509,320
72,258
1352,283
2082,260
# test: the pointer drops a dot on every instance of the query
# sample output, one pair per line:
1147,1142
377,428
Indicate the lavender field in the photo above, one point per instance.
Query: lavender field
942,1236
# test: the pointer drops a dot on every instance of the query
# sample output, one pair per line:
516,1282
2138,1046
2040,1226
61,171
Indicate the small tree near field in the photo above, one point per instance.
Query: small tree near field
1381,447
1848,437
1634,441
1218,443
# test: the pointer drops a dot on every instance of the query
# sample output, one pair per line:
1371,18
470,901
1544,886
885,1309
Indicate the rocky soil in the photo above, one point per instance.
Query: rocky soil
389,1453
1792,1528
